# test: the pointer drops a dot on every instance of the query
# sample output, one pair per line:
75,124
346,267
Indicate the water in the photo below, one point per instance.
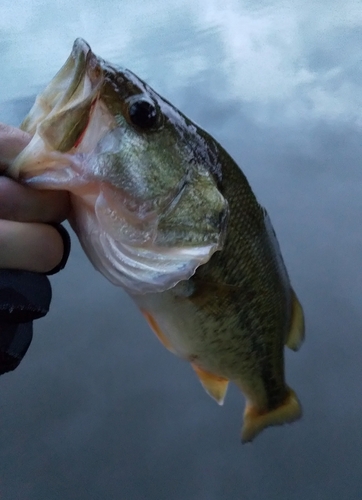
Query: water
98,409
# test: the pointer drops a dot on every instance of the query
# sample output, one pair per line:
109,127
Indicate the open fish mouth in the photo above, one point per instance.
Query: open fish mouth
129,206
67,120
61,112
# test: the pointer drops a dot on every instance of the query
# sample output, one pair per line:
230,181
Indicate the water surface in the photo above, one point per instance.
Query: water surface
98,409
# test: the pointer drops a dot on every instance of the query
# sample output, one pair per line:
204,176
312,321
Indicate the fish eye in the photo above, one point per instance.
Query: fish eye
143,114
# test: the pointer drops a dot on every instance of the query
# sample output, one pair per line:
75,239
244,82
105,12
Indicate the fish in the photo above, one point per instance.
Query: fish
162,210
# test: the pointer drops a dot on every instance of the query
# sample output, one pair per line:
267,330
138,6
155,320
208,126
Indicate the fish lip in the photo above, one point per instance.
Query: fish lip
86,63
85,59
80,46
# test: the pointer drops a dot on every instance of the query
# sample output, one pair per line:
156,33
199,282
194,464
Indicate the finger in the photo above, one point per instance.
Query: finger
23,204
12,142
29,246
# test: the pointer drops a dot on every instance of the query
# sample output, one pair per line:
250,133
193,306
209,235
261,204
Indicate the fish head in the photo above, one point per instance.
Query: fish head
143,179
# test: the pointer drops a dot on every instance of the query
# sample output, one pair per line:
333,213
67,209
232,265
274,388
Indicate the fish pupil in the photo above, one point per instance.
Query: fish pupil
143,114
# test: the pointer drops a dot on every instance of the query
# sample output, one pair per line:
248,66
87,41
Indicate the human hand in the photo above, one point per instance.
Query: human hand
27,240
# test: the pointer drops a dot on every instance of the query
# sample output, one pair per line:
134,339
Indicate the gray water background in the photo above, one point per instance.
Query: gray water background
98,409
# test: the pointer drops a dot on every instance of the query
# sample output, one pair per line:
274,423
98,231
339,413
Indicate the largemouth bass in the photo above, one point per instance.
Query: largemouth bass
162,210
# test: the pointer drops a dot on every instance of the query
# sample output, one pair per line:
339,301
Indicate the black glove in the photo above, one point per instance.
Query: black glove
24,297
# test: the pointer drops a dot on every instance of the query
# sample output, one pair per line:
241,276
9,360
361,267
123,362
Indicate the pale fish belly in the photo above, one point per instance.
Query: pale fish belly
208,337
173,319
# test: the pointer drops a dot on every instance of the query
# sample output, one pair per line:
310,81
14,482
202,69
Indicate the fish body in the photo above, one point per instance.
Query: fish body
162,210
232,319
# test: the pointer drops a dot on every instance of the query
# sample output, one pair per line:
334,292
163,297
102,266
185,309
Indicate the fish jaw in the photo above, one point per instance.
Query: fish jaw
78,79
66,121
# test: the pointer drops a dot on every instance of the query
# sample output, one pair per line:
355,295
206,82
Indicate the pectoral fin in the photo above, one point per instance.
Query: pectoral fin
157,330
296,333
214,385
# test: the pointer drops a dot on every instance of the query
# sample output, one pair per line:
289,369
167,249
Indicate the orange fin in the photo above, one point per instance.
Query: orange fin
255,421
214,385
156,329
296,333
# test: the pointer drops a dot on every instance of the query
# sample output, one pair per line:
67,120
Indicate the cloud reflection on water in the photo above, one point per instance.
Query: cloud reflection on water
98,409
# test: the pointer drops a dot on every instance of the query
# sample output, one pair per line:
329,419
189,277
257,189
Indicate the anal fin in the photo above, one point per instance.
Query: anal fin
296,333
214,385
255,420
